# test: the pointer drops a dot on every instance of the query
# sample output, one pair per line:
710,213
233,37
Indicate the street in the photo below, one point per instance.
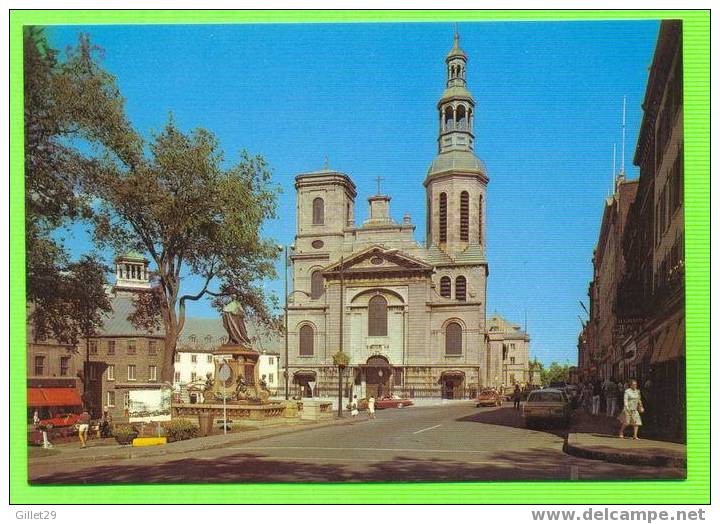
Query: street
457,442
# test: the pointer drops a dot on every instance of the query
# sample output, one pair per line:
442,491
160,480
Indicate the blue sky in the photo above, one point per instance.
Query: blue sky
548,111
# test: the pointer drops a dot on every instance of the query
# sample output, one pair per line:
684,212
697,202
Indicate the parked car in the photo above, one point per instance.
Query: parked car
61,420
489,397
547,405
392,401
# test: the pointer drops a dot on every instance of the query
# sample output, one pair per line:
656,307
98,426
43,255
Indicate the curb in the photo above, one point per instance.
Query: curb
620,457
130,453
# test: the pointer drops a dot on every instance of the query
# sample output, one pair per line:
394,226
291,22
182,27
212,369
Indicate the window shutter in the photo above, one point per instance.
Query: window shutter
445,287
460,288
464,216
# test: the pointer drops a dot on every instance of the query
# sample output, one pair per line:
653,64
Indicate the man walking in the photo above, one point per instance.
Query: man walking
610,397
83,427
517,394
371,407
596,390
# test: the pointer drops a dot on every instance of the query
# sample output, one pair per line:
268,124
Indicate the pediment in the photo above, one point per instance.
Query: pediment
378,259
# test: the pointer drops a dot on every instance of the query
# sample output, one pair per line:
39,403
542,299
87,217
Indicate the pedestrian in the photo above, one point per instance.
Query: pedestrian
517,395
587,397
36,418
354,407
611,397
371,407
104,427
83,427
596,390
632,407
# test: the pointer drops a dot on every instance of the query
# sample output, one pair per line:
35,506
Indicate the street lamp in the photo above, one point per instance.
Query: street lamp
287,373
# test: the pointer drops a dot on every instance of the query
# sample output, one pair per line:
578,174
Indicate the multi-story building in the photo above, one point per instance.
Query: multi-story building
410,316
513,343
652,301
637,314
53,376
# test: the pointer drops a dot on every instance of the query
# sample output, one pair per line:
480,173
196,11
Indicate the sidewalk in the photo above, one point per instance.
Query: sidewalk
596,437
108,449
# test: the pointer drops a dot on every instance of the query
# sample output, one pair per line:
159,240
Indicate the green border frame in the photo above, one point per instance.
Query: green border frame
694,490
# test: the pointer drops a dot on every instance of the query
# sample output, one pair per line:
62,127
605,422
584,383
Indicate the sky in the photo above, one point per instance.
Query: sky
548,96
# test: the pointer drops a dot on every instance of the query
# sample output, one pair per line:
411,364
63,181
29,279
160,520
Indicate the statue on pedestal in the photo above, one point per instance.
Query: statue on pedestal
234,323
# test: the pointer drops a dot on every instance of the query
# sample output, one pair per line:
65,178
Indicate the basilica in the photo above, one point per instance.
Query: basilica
412,317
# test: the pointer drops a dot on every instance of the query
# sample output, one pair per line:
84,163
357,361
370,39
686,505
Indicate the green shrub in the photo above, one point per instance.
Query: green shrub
124,430
180,429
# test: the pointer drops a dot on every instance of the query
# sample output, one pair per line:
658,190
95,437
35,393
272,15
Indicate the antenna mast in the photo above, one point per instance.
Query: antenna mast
622,161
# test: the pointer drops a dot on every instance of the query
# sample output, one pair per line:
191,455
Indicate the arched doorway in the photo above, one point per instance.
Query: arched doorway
377,377
453,384
304,381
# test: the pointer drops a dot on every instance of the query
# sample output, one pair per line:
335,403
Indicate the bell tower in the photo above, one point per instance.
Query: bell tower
456,182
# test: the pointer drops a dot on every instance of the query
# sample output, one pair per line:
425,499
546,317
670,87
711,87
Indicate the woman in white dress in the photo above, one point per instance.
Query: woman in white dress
371,407
354,407
632,407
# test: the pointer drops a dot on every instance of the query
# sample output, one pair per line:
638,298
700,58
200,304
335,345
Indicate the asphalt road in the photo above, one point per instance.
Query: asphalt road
443,443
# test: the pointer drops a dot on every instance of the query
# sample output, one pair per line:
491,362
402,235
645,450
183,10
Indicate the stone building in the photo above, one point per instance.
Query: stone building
637,315
652,302
410,316
513,344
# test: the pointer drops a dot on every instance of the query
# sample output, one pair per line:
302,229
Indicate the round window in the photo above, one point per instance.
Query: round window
317,244
376,261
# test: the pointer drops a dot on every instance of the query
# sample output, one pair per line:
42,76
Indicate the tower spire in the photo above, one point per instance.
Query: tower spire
456,105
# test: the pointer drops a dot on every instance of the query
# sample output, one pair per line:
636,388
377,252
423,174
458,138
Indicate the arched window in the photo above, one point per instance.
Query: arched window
461,118
318,211
445,287
448,118
317,285
480,220
460,288
453,339
307,341
377,317
464,216
443,217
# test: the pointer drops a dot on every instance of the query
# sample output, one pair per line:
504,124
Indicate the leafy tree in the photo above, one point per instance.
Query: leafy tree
192,217
72,108
556,373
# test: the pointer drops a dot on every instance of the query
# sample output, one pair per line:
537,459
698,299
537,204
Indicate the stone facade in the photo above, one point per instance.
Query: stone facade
410,316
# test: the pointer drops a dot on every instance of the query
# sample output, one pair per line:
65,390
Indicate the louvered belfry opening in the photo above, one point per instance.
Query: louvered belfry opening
460,288
377,316
445,287
480,220
443,217
453,339
306,341
464,216
318,211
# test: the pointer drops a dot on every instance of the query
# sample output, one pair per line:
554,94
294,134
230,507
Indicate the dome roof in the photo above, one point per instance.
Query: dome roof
457,161
456,92
456,51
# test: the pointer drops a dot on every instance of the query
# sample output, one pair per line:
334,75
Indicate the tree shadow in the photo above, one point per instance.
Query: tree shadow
512,418
532,464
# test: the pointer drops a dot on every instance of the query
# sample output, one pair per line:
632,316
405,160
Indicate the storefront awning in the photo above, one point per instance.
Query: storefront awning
671,343
47,397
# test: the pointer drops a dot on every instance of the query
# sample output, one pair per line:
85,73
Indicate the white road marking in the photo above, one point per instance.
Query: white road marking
426,429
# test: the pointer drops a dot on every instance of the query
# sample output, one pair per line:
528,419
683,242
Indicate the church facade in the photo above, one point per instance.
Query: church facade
411,316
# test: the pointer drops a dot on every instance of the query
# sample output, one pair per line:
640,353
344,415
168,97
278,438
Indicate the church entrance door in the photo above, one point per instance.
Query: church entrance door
377,377
453,385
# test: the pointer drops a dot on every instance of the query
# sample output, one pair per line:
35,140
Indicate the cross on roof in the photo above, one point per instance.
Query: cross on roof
378,183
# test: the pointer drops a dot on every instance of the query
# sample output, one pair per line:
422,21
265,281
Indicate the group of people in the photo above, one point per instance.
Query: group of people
82,426
354,407
616,396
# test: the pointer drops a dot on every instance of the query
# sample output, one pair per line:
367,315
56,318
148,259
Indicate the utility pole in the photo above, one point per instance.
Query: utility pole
287,369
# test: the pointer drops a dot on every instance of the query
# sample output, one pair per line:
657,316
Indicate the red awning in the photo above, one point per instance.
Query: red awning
43,397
